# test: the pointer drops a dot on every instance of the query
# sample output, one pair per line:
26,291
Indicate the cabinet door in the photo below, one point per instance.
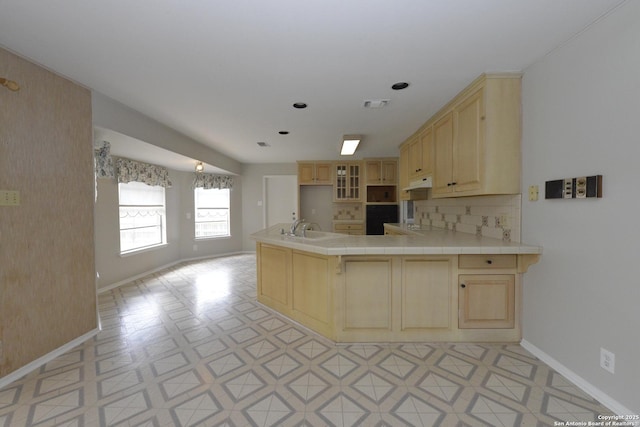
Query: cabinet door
389,172
306,173
404,172
347,182
468,143
273,276
415,159
426,294
374,172
311,296
486,301
323,173
367,294
354,182
426,144
443,155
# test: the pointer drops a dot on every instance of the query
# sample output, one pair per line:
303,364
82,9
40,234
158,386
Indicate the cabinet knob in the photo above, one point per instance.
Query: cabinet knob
463,285
489,262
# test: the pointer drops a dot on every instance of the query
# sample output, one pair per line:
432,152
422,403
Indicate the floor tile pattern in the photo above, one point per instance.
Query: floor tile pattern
190,346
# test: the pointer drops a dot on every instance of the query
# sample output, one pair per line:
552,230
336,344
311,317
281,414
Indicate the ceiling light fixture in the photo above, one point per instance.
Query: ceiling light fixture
349,144
262,144
9,84
199,167
284,132
299,105
400,86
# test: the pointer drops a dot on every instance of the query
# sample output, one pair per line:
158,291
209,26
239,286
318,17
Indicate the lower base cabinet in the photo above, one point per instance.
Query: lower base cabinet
486,301
311,292
426,294
395,298
367,295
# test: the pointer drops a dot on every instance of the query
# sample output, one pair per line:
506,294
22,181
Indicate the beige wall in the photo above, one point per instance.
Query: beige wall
47,282
580,110
114,268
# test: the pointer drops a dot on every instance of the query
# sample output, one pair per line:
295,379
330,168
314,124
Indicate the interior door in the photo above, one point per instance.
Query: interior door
280,196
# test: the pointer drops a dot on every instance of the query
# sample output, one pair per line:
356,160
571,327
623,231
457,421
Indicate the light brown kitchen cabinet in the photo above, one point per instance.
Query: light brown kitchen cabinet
273,276
368,295
443,154
315,173
353,229
415,159
403,174
311,293
382,172
426,293
347,183
298,285
486,301
477,140
458,146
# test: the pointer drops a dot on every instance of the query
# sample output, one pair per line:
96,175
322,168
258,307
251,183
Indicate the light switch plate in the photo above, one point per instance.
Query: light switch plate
9,198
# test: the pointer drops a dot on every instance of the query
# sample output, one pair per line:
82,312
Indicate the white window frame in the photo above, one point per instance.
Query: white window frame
152,208
210,215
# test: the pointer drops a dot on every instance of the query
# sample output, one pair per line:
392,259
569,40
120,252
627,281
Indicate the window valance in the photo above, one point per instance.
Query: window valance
103,162
209,180
131,170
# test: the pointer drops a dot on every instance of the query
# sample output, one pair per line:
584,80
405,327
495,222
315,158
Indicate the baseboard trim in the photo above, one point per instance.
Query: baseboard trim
162,267
28,368
593,391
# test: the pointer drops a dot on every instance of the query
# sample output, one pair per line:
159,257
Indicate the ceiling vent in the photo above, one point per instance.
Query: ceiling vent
375,103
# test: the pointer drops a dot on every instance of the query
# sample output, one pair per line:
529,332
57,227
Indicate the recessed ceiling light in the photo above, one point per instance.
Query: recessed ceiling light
400,86
284,132
299,105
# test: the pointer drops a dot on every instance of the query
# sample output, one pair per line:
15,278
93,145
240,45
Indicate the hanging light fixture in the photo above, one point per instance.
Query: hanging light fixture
199,167
349,144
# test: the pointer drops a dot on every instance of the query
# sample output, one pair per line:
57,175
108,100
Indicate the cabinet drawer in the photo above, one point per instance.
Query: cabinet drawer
487,261
348,227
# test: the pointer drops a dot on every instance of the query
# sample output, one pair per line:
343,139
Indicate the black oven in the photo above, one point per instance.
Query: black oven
377,215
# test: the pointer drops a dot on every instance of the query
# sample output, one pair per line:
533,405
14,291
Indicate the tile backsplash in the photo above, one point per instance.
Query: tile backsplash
489,216
347,211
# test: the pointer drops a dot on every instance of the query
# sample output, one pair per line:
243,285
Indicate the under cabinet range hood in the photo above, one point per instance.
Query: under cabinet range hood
420,184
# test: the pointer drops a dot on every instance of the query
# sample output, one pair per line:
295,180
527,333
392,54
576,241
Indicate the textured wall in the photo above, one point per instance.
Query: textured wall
47,282
580,110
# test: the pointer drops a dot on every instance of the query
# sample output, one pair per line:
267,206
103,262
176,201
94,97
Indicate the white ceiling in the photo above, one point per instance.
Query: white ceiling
226,73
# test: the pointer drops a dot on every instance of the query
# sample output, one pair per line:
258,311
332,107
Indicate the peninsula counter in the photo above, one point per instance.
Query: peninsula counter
430,285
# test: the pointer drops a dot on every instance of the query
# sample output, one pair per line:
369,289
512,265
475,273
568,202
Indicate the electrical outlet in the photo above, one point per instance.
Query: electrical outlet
607,360
533,193
195,248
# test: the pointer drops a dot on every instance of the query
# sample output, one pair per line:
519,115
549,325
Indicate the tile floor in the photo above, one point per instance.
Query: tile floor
190,346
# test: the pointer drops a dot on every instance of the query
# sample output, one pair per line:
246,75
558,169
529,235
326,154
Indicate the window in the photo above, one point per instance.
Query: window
212,212
142,216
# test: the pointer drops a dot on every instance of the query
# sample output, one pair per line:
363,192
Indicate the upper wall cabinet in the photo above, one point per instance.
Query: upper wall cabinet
420,155
477,142
347,183
383,172
475,139
403,178
315,173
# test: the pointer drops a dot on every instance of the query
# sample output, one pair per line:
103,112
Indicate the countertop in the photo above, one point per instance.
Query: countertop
422,241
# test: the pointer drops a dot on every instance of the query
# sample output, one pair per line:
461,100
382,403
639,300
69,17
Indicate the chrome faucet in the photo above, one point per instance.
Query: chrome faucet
294,226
